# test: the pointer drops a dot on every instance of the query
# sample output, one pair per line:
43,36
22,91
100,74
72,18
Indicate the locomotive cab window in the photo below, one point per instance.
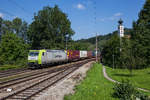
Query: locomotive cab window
33,53
43,54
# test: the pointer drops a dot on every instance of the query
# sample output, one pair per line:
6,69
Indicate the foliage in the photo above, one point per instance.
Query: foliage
50,29
80,46
16,26
135,52
110,49
12,49
141,37
102,39
126,91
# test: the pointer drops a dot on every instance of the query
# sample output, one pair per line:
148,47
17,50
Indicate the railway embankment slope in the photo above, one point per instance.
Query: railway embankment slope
66,86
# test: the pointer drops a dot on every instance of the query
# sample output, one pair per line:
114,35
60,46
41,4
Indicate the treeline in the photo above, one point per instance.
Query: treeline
50,29
131,52
102,39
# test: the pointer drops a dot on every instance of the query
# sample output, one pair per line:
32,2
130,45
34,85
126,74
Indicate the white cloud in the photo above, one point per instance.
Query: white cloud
118,14
15,17
1,15
80,6
111,18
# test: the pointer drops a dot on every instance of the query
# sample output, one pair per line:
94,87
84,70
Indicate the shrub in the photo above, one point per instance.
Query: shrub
126,91
13,50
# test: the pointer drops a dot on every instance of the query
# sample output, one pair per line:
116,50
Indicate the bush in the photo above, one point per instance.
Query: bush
13,50
126,91
141,96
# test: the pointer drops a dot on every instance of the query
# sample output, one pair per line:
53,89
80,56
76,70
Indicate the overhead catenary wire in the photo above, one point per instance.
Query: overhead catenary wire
22,8
95,19
6,12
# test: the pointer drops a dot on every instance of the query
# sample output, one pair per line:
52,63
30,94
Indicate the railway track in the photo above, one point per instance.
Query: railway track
31,74
27,78
38,83
11,72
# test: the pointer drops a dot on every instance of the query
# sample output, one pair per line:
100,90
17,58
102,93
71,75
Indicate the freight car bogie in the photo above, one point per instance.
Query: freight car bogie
34,66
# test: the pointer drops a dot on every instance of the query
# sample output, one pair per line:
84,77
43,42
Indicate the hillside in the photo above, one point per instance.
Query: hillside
102,39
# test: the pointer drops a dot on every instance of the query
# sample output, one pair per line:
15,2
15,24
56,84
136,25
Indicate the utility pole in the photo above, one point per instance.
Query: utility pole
113,59
96,47
66,43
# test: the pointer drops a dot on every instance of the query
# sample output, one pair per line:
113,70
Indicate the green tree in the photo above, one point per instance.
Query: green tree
16,24
24,30
126,55
111,51
7,27
20,28
141,37
1,22
13,50
50,29
80,46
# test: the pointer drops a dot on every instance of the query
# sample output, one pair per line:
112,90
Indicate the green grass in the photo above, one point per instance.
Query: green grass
139,78
6,67
94,87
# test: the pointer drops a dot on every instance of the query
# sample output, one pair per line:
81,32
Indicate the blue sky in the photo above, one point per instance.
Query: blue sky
81,13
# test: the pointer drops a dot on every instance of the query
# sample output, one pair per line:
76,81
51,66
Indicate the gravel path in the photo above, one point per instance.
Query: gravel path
65,86
110,79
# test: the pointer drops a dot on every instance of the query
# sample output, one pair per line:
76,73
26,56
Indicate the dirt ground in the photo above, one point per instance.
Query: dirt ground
66,86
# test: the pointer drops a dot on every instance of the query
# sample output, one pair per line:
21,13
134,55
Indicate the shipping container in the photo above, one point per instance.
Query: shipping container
73,55
83,54
93,53
89,54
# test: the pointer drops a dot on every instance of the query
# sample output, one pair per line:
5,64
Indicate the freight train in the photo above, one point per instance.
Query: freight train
42,58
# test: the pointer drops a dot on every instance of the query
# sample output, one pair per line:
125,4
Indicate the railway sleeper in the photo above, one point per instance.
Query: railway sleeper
23,94
35,89
19,97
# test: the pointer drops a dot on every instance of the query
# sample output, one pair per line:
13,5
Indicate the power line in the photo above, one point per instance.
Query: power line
95,27
16,4
8,13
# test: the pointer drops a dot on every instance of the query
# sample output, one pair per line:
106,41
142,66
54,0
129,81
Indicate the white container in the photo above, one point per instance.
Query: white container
83,54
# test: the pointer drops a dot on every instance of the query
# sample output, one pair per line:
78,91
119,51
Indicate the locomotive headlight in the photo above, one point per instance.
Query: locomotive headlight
32,57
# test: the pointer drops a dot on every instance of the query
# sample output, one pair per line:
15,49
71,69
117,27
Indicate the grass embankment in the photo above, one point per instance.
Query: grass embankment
94,87
6,67
140,78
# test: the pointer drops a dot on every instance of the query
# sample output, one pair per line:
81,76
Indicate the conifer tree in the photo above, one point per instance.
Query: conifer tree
141,37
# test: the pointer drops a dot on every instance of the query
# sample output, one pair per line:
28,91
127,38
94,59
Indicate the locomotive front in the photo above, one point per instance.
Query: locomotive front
34,58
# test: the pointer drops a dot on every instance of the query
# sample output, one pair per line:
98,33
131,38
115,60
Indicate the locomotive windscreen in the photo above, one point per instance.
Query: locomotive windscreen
33,53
